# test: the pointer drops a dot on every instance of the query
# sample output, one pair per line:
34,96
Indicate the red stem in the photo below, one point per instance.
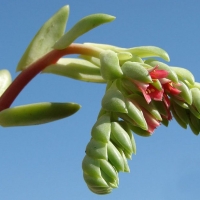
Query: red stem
29,73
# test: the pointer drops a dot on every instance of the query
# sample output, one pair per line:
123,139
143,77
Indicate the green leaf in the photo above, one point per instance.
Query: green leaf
183,74
45,38
34,114
84,25
149,51
78,69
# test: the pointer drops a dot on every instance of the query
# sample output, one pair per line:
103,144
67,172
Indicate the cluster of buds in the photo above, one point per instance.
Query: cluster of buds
141,94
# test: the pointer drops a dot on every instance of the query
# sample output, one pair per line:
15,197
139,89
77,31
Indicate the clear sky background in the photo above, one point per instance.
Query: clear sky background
44,162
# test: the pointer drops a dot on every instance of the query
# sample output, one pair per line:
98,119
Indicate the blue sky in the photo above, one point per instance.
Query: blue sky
44,162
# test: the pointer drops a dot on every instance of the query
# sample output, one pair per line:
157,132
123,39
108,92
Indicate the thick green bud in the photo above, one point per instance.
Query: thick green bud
94,182
111,182
108,169
91,167
34,114
96,149
115,157
136,71
121,136
102,129
127,128
126,167
136,115
110,68
5,80
113,100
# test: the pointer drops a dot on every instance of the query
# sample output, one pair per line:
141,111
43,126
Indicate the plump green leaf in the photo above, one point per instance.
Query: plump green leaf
78,69
34,114
45,38
84,25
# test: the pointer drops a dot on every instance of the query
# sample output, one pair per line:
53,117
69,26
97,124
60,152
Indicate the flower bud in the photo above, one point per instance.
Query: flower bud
110,68
102,128
113,100
136,71
96,149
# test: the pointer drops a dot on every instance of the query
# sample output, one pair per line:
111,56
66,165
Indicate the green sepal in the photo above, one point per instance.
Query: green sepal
78,69
126,167
96,149
180,121
45,38
115,157
196,98
181,112
111,182
84,25
136,114
94,182
179,102
34,114
137,130
136,71
147,106
91,167
121,136
171,74
127,128
109,169
102,129
185,93
114,100
100,190
160,107
110,68
194,124
183,74
5,80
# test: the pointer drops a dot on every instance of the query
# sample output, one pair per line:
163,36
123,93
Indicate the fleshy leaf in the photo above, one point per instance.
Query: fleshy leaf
79,69
34,114
183,74
84,25
45,38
